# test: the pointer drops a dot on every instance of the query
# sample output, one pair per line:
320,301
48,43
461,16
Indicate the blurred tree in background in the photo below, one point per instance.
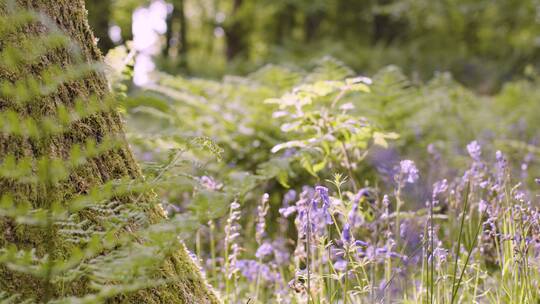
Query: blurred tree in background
176,39
99,16
467,37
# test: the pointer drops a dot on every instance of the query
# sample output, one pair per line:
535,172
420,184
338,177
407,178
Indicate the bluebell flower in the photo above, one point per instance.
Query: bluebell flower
475,151
264,250
408,171
260,226
361,243
281,254
482,206
352,217
287,211
288,198
381,250
340,265
323,193
346,234
250,269
440,187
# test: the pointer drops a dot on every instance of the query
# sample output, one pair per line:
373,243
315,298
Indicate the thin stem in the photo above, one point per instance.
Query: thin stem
258,281
398,207
349,166
469,253
459,240
432,284
308,252
212,248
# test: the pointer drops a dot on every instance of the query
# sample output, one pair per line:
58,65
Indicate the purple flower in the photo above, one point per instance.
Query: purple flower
340,265
288,198
232,232
520,196
323,193
440,255
310,217
346,234
286,212
474,150
250,269
352,216
264,250
386,205
262,210
501,166
381,250
439,188
408,170
482,206
360,243
210,183
499,156
303,206
431,149
281,254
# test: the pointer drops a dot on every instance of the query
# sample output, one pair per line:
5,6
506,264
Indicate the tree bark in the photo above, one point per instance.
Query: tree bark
187,284
385,29
285,19
177,30
236,33
312,24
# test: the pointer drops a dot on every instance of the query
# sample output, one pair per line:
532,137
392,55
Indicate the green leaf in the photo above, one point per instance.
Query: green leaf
305,161
289,144
209,204
359,87
380,138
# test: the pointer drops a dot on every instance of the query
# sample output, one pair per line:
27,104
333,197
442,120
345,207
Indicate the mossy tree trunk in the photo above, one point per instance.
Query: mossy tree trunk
70,16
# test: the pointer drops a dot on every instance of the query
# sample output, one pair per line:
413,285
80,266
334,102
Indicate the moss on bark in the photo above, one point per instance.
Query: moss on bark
70,17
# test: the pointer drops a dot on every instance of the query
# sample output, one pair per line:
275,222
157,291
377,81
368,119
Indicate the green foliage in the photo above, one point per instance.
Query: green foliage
285,128
483,43
308,129
206,143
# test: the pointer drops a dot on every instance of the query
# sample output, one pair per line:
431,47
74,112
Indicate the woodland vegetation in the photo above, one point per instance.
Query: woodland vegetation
257,151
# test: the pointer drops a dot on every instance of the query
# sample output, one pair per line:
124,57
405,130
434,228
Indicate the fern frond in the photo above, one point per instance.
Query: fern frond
28,170
11,122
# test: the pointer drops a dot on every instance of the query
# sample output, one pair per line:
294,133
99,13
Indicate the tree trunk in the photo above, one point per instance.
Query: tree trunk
312,24
285,19
99,15
236,33
385,29
177,30
186,284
